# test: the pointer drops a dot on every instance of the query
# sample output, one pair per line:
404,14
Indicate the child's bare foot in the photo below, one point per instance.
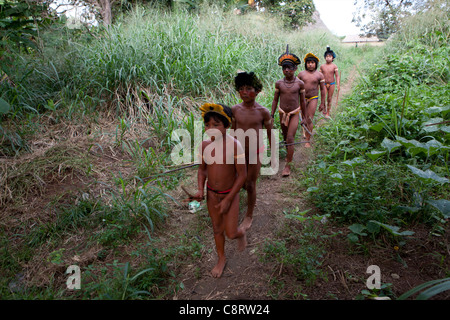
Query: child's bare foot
242,243
286,171
217,271
247,223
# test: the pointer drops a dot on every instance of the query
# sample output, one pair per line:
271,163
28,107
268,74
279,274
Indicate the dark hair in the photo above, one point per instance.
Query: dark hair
311,59
218,117
247,79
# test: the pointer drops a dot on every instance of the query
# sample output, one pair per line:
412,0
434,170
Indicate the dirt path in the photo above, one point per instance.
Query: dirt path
245,276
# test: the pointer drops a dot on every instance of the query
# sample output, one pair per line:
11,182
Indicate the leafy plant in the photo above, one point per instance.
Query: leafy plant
428,289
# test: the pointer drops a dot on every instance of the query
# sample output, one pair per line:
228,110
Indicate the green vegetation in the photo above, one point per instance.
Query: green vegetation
384,165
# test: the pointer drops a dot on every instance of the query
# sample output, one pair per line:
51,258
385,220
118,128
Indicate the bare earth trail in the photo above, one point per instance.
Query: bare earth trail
245,277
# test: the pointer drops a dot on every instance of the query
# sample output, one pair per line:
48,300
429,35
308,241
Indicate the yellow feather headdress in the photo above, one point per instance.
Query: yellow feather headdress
310,55
213,107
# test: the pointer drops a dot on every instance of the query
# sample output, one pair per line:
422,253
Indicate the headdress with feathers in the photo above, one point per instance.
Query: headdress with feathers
329,51
288,58
216,108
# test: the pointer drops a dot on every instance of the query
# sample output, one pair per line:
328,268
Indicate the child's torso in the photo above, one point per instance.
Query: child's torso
328,72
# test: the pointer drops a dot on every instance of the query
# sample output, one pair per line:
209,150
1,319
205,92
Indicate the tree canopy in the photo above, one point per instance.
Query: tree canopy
383,17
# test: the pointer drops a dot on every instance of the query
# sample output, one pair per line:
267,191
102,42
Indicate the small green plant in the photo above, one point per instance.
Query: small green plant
384,293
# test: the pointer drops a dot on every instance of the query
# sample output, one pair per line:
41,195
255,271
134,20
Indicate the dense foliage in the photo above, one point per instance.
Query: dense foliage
388,152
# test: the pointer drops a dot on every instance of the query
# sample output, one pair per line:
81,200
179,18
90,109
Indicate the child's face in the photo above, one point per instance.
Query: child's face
289,70
311,65
329,58
215,128
247,93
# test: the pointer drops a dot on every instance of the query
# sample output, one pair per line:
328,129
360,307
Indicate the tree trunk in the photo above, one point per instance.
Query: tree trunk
105,11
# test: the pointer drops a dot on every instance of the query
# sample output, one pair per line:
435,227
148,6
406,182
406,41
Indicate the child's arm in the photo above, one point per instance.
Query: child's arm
302,96
276,97
202,174
323,91
268,124
338,78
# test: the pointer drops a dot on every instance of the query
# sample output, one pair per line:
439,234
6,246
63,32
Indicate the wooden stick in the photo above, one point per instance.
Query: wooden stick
190,196
169,171
433,124
290,144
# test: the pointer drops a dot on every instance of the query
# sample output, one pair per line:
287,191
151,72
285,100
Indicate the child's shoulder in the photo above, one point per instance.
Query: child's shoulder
236,106
260,107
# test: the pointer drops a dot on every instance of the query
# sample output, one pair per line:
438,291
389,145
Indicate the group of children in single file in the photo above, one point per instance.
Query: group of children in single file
296,98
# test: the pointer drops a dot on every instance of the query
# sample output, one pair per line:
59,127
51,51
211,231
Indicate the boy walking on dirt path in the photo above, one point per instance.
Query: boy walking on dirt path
222,165
249,118
290,91
331,74
313,80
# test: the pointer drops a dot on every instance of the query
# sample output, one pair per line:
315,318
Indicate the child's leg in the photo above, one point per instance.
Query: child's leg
219,237
311,107
290,138
329,99
232,230
252,175
303,112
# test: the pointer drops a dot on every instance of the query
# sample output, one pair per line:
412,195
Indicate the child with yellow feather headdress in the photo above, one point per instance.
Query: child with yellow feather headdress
314,81
222,168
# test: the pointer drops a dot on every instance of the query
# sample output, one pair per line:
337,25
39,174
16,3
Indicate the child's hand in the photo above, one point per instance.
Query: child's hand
223,206
198,196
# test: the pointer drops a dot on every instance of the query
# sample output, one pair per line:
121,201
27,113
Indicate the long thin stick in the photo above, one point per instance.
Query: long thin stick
169,171
339,89
433,124
290,144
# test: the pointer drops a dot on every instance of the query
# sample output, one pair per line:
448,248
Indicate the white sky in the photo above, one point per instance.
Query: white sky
337,16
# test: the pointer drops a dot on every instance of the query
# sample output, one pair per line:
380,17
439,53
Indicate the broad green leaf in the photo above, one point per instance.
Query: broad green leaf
358,228
4,106
427,175
431,128
374,154
373,227
377,127
442,205
394,230
409,143
337,176
352,237
434,146
390,145
434,110
354,162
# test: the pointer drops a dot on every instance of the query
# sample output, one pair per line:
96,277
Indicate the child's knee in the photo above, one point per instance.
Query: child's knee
233,234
